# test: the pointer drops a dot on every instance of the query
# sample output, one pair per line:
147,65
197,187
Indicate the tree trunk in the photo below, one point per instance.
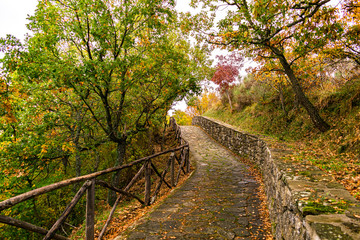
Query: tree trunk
77,167
78,162
282,100
65,161
151,142
229,98
76,139
97,161
304,101
163,137
120,149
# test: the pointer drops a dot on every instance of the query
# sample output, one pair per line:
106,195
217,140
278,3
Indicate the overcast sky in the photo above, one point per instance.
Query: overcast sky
13,14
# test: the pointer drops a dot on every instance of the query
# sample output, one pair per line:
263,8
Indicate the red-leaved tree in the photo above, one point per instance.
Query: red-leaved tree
227,72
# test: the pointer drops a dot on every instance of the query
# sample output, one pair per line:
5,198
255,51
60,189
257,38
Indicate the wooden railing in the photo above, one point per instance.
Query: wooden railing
179,158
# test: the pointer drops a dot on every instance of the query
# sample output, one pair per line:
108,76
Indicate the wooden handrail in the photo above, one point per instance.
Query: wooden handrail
89,187
39,191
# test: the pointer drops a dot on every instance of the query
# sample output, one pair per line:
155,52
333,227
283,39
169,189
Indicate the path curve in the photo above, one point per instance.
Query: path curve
219,201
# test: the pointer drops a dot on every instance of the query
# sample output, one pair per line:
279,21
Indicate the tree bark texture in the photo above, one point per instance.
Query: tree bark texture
304,101
229,99
282,100
121,149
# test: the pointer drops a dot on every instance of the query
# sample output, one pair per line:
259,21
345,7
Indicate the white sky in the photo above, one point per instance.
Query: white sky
13,14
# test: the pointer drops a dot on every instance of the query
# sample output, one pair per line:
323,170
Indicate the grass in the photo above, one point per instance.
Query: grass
316,208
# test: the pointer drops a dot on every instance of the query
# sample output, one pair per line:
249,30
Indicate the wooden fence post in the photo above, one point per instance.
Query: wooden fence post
178,134
90,211
172,169
181,164
187,159
147,182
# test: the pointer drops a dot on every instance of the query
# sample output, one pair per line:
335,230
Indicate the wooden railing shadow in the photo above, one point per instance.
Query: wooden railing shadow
178,162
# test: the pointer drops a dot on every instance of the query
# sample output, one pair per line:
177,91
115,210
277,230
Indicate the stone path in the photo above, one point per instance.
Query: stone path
219,201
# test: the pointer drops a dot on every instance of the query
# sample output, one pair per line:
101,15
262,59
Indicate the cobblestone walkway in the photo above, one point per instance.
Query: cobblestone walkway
218,202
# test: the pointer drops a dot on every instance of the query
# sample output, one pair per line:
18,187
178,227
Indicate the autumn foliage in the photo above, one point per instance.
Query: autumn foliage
85,90
227,70
196,106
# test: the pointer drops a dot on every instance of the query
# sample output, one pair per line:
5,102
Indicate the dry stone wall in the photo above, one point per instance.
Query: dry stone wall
303,201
